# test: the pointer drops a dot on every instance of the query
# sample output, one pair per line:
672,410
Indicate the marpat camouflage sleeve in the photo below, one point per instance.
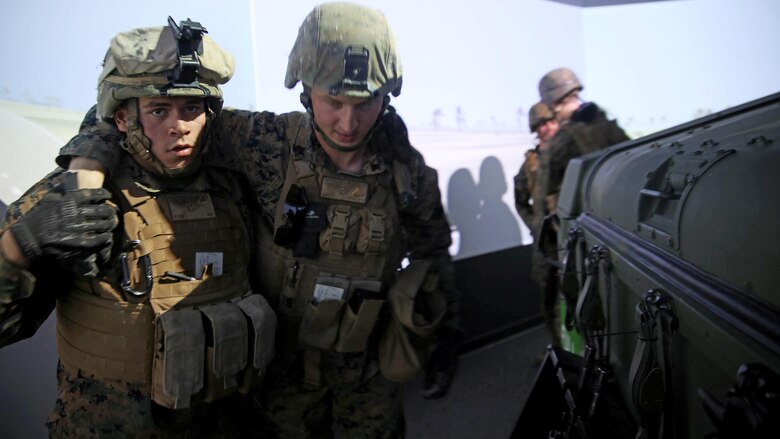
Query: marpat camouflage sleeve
426,228
254,145
23,304
96,140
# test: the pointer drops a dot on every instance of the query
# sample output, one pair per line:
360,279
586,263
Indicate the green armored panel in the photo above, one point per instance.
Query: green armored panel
669,247
708,195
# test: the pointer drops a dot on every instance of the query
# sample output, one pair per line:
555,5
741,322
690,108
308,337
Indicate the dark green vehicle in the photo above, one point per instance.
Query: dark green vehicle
669,251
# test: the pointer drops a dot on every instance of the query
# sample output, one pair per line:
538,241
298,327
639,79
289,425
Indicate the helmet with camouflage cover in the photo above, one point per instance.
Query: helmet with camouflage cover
345,49
171,61
539,114
557,84
146,62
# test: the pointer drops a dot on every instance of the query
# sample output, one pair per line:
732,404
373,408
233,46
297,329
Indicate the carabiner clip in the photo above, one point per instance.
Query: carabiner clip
145,265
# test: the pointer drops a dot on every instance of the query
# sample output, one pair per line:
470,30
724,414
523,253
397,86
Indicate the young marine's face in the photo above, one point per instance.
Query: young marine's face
344,119
173,124
546,130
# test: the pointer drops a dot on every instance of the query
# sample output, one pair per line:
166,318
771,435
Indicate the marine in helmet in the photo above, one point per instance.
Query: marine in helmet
158,331
342,198
542,122
532,209
584,128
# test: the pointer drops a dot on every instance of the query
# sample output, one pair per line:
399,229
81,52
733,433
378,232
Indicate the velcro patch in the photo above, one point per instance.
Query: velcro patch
191,206
344,190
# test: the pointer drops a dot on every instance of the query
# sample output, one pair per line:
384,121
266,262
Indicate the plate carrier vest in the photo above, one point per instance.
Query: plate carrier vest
331,300
191,335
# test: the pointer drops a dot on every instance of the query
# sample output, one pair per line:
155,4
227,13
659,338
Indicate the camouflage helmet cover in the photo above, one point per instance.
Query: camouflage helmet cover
139,63
539,114
556,84
345,49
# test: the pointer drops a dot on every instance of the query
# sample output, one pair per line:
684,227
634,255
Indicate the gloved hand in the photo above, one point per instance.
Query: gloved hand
441,367
72,226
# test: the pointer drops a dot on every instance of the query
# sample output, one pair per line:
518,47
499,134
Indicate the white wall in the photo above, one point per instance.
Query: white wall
651,64
53,50
656,65
484,57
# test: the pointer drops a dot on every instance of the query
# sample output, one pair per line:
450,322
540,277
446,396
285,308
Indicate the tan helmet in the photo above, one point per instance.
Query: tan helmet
175,60
163,61
345,49
539,114
556,84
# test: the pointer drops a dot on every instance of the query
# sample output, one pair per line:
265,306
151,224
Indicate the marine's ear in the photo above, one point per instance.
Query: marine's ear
120,118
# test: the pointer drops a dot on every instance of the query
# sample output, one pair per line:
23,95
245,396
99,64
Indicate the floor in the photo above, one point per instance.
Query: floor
487,394
485,399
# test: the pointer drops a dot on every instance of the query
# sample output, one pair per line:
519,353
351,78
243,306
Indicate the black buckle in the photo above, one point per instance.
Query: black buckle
355,68
190,36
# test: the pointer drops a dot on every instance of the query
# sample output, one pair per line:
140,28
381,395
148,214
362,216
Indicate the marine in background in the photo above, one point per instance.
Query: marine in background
158,331
542,122
584,128
532,209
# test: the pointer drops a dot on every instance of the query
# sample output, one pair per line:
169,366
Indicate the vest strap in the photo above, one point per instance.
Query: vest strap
339,227
376,232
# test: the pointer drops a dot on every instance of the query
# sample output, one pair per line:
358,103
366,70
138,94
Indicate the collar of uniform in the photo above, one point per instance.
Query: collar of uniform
306,147
154,184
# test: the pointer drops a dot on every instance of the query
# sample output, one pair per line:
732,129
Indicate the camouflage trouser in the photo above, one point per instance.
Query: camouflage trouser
354,401
544,275
88,408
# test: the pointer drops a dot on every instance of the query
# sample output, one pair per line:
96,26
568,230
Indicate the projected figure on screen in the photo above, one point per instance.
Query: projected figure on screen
462,209
497,227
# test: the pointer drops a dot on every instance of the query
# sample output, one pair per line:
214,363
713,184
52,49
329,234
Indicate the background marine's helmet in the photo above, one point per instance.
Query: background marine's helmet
345,49
539,114
556,84
163,61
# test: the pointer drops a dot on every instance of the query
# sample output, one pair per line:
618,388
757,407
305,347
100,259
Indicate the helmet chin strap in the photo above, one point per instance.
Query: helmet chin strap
140,146
136,142
306,101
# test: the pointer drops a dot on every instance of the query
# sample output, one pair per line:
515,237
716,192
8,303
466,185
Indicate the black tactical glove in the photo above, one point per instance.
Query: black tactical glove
69,225
442,365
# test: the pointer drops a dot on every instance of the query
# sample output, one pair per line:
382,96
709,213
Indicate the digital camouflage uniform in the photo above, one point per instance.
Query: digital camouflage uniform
113,326
588,130
257,145
531,207
364,404
320,386
88,407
